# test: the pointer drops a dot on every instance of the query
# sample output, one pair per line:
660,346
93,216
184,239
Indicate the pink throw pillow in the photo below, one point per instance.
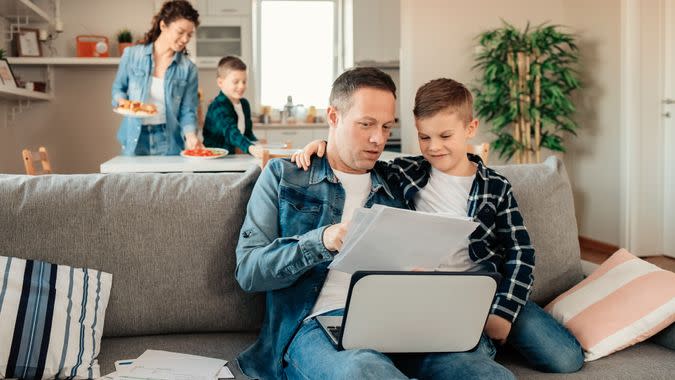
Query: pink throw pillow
624,301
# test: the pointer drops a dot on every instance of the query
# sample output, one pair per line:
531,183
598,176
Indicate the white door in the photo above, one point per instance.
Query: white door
669,130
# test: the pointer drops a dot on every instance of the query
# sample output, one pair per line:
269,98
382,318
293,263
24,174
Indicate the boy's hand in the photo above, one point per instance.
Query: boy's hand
334,235
497,328
256,151
303,158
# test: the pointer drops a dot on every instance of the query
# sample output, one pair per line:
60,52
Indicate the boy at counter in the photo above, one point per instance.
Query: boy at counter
228,122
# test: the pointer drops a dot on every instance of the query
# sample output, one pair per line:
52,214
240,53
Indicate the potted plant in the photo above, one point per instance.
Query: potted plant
124,39
524,91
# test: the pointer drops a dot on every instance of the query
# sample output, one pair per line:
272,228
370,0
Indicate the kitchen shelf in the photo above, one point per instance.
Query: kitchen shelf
64,61
10,93
24,9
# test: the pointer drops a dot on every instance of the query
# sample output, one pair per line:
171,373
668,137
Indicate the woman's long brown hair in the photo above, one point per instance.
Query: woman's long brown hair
171,11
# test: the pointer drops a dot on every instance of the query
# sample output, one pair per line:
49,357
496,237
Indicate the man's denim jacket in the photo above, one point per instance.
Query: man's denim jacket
132,82
281,251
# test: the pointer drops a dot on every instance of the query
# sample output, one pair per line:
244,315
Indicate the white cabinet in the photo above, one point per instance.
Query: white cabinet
228,7
377,30
296,136
222,36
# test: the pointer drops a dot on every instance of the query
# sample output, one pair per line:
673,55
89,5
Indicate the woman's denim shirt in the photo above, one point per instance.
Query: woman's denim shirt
180,93
281,251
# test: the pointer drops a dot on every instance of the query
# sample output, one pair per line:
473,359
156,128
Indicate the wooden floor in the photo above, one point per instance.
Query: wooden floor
598,256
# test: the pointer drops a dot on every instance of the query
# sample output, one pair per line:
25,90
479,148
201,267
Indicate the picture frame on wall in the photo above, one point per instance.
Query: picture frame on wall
28,43
6,74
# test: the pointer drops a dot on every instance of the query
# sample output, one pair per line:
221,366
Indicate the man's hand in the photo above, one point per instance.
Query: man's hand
303,158
334,235
497,328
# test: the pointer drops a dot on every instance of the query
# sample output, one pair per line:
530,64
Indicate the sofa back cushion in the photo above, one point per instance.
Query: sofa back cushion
544,196
168,240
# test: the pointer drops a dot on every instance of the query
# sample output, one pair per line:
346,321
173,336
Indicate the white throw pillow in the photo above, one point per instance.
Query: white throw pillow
51,319
624,301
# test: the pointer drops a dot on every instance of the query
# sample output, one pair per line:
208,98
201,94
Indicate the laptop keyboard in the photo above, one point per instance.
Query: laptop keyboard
335,331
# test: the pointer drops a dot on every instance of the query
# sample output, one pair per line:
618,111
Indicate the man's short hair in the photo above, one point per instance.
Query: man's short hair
443,95
356,78
230,63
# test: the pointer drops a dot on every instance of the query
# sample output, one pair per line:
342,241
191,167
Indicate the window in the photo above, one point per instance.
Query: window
297,51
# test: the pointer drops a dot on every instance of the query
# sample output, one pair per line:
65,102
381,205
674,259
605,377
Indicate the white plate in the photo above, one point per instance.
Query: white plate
129,113
221,153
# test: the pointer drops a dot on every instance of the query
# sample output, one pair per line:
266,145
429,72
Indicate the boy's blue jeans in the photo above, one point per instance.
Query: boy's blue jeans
545,344
312,356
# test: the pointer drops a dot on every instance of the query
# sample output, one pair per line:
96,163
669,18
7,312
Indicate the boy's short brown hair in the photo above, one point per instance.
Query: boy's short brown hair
354,79
230,63
443,95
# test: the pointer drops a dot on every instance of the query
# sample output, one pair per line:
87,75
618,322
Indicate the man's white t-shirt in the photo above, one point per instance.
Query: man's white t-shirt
333,294
241,121
448,194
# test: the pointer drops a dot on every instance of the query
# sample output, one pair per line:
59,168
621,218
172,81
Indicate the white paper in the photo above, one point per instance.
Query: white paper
388,238
225,373
164,365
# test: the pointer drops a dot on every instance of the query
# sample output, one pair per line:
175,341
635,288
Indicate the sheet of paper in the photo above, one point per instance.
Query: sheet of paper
396,239
225,373
165,365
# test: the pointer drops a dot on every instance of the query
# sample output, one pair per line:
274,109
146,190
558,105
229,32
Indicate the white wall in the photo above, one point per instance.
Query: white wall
592,159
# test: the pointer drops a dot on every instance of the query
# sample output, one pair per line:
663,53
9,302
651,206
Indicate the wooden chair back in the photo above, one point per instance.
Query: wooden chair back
482,150
30,158
270,154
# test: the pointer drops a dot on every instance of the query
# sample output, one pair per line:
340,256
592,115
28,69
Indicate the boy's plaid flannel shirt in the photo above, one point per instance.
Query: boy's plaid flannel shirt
500,242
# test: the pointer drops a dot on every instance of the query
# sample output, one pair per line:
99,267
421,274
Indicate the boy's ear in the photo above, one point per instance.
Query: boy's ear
331,116
472,128
219,80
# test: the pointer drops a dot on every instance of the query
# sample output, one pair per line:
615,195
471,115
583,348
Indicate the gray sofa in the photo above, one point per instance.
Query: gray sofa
169,240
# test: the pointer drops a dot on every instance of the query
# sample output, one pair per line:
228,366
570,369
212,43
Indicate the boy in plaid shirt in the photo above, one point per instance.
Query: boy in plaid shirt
447,179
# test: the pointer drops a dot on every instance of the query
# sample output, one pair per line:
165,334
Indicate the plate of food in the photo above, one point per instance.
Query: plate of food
204,153
136,109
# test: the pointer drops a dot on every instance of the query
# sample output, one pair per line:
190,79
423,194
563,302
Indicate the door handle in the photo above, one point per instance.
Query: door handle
668,101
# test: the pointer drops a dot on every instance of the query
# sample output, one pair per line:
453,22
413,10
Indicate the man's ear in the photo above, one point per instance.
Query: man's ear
332,116
472,128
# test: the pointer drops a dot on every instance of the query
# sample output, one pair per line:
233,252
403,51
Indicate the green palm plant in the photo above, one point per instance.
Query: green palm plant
524,91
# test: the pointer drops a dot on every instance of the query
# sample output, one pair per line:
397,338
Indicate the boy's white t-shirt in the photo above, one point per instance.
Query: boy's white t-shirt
448,194
156,97
333,294
241,122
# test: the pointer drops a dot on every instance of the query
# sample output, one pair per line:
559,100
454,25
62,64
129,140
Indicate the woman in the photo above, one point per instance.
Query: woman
157,71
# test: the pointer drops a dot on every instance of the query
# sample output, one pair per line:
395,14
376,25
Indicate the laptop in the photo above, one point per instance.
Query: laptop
408,312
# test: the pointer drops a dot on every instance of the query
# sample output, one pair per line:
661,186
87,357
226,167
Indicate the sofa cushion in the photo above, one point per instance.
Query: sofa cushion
624,301
51,319
168,239
544,196
214,345
643,361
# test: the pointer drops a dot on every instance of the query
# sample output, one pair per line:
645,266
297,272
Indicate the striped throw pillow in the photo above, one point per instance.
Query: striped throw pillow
624,301
51,319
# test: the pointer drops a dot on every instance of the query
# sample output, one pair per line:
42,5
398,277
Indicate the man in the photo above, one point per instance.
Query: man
295,223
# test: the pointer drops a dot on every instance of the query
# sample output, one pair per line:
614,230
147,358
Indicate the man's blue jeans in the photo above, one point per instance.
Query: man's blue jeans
312,356
546,344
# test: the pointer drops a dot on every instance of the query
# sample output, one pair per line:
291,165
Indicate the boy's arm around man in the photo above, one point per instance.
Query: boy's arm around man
266,261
